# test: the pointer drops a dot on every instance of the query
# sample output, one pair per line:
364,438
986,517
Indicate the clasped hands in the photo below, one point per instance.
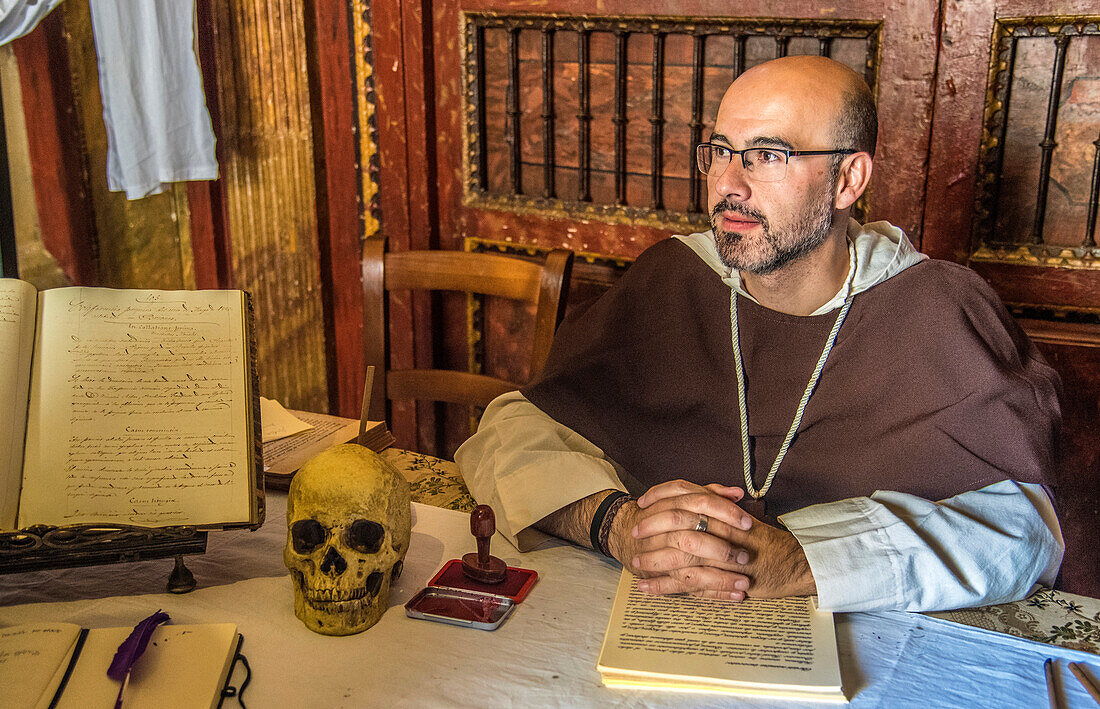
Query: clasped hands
664,540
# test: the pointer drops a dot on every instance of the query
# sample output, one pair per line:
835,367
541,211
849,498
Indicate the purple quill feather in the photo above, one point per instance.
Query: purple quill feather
133,646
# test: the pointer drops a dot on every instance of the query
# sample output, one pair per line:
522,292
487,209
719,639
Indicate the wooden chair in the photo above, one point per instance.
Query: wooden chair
546,285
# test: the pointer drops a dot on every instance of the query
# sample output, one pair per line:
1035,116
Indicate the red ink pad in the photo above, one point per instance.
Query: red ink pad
452,597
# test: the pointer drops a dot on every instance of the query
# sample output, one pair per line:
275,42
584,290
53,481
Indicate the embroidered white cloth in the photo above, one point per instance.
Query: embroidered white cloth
543,656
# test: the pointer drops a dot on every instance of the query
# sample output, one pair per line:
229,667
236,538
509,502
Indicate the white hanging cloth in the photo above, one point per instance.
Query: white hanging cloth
18,17
158,128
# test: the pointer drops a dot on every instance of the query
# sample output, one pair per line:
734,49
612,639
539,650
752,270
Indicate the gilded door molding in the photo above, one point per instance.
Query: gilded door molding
1037,134
365,123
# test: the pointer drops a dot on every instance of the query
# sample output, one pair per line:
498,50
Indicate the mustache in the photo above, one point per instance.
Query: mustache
736,207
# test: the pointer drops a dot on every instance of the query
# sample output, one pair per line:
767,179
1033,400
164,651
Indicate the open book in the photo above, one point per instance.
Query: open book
776,648
63,665
131,407
293,437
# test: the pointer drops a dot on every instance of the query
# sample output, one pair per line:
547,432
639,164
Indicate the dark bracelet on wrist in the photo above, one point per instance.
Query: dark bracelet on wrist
601,521
609,519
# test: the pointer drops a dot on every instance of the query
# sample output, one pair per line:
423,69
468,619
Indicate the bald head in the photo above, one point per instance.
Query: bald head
821,87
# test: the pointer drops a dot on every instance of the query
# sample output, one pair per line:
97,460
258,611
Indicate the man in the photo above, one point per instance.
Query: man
791,391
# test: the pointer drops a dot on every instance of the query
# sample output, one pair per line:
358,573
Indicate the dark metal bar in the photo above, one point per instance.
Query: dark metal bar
584,120
479,103
549,189
9,262
782,42
1006,76
698,61
619,119
657,121
516,162
1094,198
739,55
1061,43
825,46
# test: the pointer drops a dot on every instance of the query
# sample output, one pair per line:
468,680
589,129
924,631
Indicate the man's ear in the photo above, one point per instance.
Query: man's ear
855,173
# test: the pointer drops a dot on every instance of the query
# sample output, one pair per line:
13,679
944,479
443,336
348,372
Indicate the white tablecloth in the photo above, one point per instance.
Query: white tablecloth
544,656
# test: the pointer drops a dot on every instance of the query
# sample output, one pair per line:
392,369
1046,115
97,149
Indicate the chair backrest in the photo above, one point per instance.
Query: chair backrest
544,284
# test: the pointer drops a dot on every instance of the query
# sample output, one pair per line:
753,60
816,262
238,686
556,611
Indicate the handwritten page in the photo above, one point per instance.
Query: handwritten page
778,647
33,659
286,455
18,304
277,422
138,409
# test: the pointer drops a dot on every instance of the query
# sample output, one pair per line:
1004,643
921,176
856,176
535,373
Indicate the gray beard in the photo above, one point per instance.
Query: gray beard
787,245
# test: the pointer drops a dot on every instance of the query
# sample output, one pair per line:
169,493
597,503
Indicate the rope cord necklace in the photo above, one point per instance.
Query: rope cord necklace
743,406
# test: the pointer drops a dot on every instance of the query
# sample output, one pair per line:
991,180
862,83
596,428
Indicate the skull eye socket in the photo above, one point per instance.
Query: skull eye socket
365,536
307,535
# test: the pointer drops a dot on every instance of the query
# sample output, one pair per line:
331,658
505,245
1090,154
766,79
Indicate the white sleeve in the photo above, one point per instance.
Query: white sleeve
894,551
890,551
526,465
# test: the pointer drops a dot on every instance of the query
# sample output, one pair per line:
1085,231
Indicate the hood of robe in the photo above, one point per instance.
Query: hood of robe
877,251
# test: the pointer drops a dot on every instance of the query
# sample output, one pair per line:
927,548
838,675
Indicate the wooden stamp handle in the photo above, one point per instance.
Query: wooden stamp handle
483,525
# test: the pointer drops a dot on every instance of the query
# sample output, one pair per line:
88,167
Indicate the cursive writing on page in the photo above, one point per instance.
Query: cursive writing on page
127,395
148,469
144,395
10,306
32,658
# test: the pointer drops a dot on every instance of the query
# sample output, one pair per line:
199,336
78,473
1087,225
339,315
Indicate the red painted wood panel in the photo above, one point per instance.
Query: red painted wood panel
1055,288
329,39
1074,351
57,156
210,233
424,227
402,219
905,100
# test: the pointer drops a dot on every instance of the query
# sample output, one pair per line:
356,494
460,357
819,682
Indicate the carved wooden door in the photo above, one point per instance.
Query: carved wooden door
527,126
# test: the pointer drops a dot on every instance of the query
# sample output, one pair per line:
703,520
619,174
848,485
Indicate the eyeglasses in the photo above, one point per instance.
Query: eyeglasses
761,164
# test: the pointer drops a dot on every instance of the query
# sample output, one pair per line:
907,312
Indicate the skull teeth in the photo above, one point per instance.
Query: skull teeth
335,595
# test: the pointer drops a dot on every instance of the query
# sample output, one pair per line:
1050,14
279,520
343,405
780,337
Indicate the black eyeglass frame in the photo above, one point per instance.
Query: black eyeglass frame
787,154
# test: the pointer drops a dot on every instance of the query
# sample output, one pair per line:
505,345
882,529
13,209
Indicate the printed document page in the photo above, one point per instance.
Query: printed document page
776,647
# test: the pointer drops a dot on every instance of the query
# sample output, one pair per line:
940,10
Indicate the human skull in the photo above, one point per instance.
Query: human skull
349,518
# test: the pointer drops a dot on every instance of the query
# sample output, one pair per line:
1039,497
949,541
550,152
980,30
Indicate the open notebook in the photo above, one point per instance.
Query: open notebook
63,665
